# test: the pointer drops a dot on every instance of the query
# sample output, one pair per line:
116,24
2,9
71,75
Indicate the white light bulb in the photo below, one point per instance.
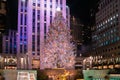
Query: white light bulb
58,9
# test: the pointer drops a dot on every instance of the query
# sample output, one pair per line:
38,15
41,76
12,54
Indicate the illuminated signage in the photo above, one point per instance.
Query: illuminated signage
26,75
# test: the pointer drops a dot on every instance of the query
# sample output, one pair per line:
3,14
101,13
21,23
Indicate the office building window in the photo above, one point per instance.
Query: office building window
38,40
21,6
33,4
61,8
45,12
25,48
21,30
38,4
50,13
33,28
45,5
33,12
21,19
50,19
50,6
45,28
61,2
38,27
20,48
45,18
56,1
38,53
38,12
38,17
33,38
33,43
26,3
25,30
33,53
25,19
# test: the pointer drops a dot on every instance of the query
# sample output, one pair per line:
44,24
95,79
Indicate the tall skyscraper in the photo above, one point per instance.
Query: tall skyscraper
9,43
2,7
9,50
2,15
76,32
106,35
34,18
2,20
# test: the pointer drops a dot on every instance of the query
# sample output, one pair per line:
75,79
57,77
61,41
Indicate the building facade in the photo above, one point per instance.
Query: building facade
106,35
2,20
8,58
2,15
76,31
34,18
9,42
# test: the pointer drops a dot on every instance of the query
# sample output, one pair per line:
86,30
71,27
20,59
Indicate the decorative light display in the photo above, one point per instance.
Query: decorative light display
58,50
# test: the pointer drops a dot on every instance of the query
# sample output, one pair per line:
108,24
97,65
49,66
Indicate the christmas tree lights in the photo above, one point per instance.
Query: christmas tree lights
59,51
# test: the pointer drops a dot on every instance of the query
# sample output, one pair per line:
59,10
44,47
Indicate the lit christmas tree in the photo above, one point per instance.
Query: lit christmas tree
59,51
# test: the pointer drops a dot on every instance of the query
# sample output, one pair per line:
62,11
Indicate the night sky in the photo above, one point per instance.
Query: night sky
81,9
78,8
